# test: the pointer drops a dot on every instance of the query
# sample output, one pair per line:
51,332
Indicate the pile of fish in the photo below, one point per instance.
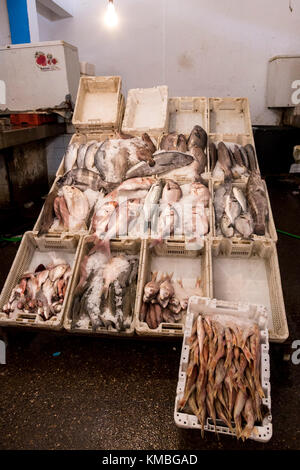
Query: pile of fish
241,213
165,300
231,161
183,210
105,294
69,204
223,374
41,292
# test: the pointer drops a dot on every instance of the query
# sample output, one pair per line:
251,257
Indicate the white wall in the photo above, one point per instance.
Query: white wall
4,24
196,47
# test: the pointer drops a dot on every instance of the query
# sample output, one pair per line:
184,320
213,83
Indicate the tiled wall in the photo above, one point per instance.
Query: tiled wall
55,149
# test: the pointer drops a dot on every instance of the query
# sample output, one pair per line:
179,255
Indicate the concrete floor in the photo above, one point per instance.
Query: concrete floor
118,393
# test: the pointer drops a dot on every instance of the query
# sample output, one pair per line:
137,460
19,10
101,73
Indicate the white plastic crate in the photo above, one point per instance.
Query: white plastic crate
32,252
99,104
186,263
146,111
130,247
185,112
270,234
249,272
229,116
258,313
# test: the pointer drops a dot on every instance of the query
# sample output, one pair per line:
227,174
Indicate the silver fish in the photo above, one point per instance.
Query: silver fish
240,197
70,156
232,207
89,158
244,225
164,161
219,202
152,199
257,201
81,154
226,226
83,179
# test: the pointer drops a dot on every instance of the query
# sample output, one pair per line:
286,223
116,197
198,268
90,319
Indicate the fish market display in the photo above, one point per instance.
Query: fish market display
182,211
165,300
110,158
163,161
231,161
41,292
241,212
223,375
105,293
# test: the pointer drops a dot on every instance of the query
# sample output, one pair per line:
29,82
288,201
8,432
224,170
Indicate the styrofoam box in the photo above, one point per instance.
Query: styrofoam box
270,234
30,86
249,272
32,252
185,112
82,138
186,263
146,111
205,306
240,139
229,116
130,247
98,104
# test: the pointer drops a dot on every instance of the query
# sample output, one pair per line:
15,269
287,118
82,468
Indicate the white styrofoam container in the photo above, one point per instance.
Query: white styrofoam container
87,69
32,252
283,71
244,271
257,313
146,111
31,86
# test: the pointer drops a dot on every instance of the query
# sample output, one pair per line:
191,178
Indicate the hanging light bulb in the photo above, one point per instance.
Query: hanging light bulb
111,18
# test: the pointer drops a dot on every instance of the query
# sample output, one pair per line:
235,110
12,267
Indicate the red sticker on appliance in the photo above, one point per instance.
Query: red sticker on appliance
46,62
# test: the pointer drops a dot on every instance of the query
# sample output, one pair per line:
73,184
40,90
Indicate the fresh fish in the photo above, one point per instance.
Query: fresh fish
212,155
168,222
78,207
151,288
238,408
89,158
48,213
102,217
200,156
218,172
152,200
70,156
190,172
134,184
219,202
181,143
248,414
164,161
83,179
224,160
244,225
171,192
201,192
240,197
57,272
81,154
169,142
148,141
166,289
251,157
237,156
197,138
239,171
244,157
232,207
257,201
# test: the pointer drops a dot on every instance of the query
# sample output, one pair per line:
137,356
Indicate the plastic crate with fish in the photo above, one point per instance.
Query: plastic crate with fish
185,210
242,155
78,138
171,272
146,111
229,116
37,287
243,224
187,155
249,272
212,406
103,291
99,104
68,209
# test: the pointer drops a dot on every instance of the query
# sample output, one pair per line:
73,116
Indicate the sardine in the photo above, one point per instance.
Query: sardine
164,161
198,138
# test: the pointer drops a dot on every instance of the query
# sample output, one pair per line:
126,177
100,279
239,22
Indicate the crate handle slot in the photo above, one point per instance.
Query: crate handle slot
171,326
